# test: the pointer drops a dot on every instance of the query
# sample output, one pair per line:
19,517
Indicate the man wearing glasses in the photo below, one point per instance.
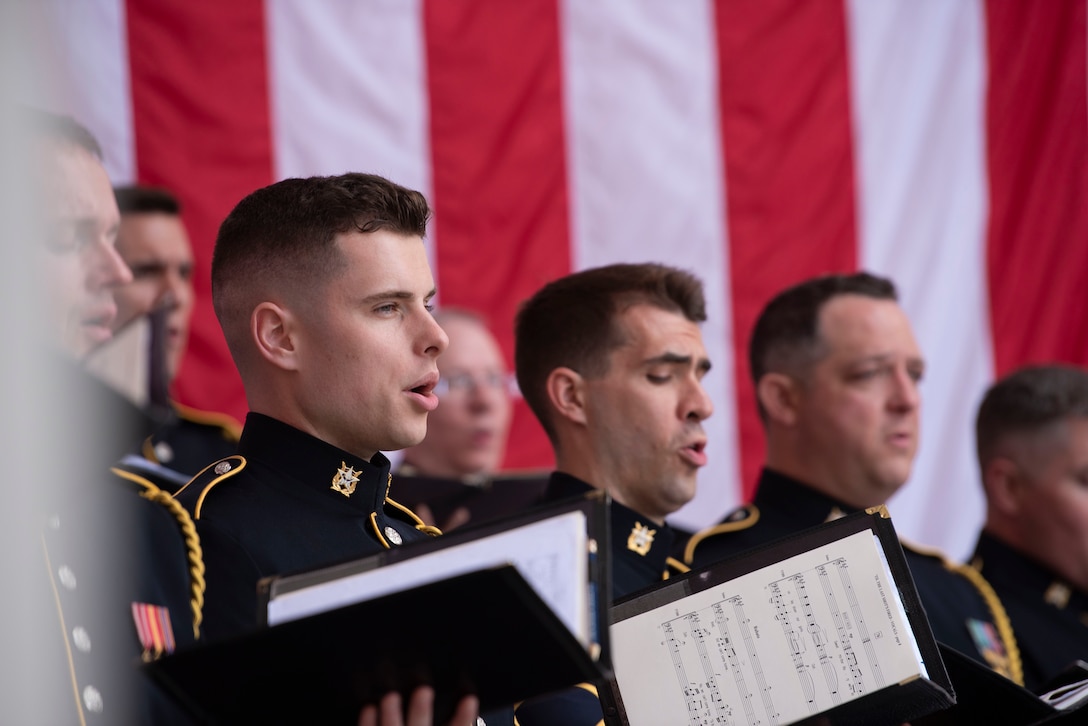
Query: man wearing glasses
452,477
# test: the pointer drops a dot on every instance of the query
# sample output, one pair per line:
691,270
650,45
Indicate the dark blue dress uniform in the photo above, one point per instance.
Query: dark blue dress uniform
118,599
963,611
288,502
191,440
121,566
1049,616
641,558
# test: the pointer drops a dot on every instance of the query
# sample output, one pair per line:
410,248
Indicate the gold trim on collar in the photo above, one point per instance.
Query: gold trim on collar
741,518
378,530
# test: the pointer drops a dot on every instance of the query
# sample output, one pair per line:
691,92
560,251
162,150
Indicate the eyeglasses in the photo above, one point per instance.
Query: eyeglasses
466,383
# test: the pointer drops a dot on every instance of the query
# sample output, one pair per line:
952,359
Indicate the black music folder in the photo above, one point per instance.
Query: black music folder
506,612
985,696
823,626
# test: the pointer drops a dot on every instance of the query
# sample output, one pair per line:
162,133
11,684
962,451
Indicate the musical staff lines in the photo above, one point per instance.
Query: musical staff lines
718,652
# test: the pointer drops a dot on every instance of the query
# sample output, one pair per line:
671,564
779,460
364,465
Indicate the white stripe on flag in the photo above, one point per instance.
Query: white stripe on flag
918,74
83,50
348,89
646,179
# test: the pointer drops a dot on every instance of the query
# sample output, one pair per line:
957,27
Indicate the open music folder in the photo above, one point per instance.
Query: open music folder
985,696
824,625
506,611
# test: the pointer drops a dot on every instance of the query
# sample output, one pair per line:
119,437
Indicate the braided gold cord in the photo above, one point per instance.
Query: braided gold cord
1001,618
194,552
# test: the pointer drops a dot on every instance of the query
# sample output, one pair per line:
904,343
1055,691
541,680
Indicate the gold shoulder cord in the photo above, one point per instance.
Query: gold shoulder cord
1001,618
227,424
192,542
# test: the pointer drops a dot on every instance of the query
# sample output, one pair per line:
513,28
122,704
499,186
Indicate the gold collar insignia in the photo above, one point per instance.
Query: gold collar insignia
345,479
641,538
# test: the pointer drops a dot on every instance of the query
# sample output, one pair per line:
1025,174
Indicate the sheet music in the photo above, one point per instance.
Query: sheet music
771,647
551,554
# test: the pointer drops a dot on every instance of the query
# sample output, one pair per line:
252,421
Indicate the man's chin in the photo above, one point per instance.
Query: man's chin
891,483
682,496
407,439
87,339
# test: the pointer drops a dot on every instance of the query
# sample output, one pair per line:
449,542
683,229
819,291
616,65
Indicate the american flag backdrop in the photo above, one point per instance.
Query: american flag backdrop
943,143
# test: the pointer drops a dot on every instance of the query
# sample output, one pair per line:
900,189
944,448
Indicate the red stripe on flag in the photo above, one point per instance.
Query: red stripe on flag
500,178
1037,144
201,123
789,167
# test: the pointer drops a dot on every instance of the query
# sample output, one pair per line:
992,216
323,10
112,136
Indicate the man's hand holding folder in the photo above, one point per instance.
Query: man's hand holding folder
420,708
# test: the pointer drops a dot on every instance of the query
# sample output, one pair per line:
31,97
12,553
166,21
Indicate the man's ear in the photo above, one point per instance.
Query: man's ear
780,397
273,330
566,392
1003,481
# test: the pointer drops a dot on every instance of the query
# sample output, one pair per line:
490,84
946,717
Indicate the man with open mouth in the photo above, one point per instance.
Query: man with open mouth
611,360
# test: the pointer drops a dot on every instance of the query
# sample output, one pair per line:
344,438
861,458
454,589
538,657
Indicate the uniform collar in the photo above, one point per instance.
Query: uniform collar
631,532
315,464
795,499
1006,567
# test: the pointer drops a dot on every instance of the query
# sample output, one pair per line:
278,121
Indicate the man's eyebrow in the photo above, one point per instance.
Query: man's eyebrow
397,295
85,225
677,359
884,357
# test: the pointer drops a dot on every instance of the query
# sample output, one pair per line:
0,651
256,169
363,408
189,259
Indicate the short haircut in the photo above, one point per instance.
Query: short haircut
60,128
142,199
282,237
1028,401
572,322
786,336
50,135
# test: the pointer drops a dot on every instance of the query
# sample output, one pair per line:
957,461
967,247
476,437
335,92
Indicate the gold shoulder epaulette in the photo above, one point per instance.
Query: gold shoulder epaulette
211,476
737,520
232,430
1015,668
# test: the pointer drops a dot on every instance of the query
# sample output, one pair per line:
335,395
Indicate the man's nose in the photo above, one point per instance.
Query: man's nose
699,405
905,394
108,269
